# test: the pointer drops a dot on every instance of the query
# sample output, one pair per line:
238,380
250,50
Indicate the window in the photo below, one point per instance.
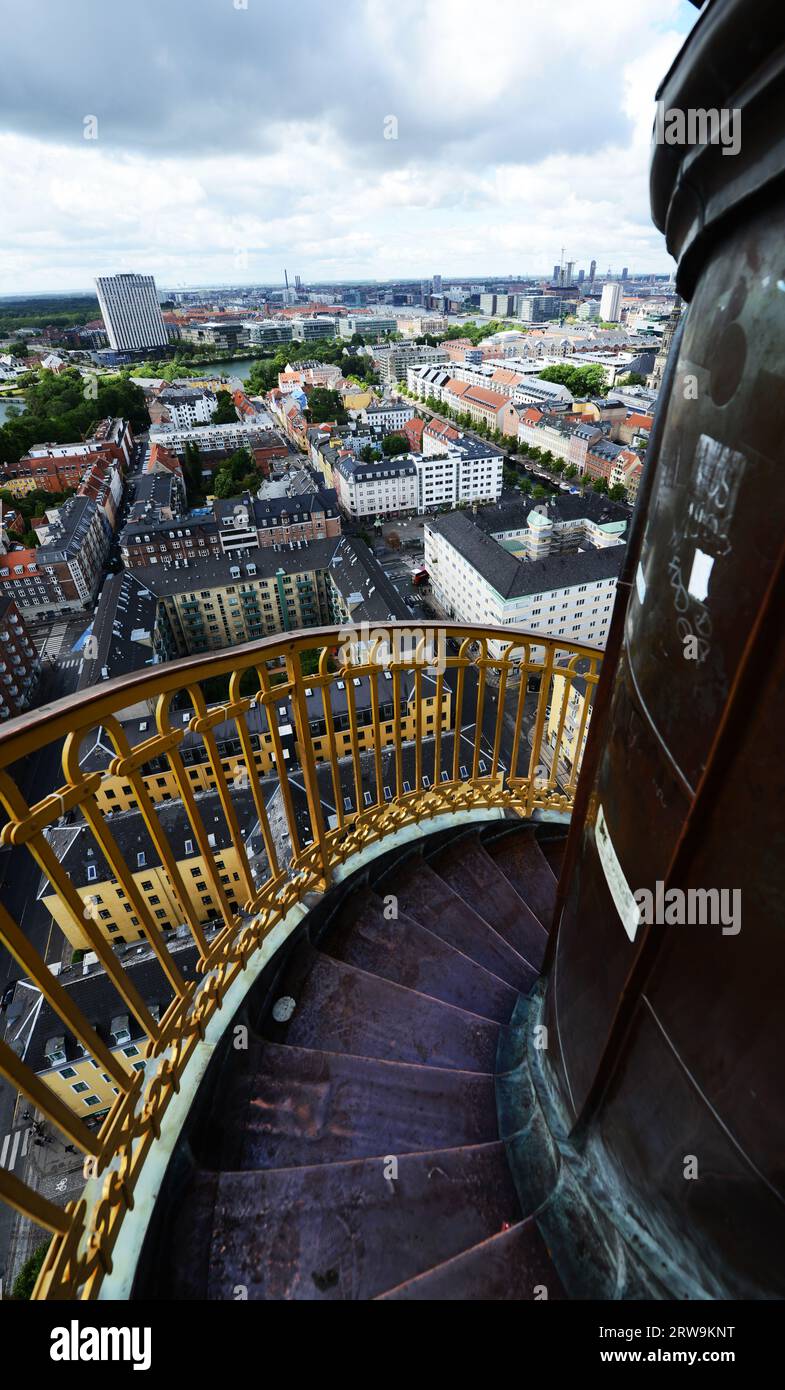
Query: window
140,860
92,873
131,1051
80,1086
68,1072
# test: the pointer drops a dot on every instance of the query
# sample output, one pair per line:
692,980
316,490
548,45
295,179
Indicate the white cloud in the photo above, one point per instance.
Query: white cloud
522,129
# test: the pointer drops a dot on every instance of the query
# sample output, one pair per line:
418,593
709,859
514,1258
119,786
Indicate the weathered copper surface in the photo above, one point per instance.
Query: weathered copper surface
668,1037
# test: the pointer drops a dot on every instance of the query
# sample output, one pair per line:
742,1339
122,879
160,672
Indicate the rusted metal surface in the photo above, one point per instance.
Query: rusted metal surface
476,877
397,948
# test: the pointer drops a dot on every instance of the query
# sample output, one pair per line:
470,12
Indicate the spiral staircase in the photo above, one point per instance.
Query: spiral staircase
357,1147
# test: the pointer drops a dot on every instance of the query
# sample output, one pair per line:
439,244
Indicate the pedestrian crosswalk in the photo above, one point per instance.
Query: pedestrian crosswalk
14,1147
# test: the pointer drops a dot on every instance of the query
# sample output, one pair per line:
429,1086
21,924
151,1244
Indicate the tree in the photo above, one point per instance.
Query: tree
600,485
558,466
394,444
225,412
570,471
237,474
324,405
617,493
58,408
192,469
368,454
25,1279
580,381
631,379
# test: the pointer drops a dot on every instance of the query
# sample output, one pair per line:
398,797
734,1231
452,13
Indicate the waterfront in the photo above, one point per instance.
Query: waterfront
6,403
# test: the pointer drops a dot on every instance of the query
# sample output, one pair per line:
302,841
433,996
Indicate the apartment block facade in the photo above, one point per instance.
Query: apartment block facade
476,580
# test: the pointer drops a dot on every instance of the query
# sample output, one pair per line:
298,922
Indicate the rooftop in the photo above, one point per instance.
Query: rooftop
512,578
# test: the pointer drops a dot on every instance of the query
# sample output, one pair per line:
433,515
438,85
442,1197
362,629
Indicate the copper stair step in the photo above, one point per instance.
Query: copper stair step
511,1267
401,950
521,860
340,1231
291,1106
471,872
341,1009
424,895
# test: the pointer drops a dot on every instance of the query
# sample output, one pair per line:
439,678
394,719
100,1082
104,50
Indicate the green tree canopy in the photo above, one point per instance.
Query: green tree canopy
237,474
225,412
66,406
394,444
580,381
324,405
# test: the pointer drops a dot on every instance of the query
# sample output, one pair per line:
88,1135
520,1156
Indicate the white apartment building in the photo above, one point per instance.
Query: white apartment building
475,580
392,362
131,312
368,325
188,407
425,381
546,395
231,436
610,303
384,489
460,472
551,435
388,418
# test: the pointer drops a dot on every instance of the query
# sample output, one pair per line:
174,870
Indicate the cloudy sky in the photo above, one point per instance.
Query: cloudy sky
236,137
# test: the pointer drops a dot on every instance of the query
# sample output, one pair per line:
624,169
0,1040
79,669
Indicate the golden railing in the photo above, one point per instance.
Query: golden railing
482,718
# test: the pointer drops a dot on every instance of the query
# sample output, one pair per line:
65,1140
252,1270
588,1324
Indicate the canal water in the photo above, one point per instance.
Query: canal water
7,403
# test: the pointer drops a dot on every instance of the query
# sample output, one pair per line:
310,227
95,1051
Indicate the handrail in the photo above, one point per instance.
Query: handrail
471,717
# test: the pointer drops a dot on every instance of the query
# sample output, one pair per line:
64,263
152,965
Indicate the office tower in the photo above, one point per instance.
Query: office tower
437,284
592,272
581,275
624,273
131,312
610,304
556,280
568,275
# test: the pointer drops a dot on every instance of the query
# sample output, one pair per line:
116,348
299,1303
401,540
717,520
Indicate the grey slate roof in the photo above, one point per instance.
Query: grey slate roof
512,578
562,506
122,627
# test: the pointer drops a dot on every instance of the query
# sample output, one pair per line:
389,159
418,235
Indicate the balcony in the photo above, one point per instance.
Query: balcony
356,804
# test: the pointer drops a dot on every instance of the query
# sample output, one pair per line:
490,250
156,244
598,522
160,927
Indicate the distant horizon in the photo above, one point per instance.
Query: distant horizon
196,286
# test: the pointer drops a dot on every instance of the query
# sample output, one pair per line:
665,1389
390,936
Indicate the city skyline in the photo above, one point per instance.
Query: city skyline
441,138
